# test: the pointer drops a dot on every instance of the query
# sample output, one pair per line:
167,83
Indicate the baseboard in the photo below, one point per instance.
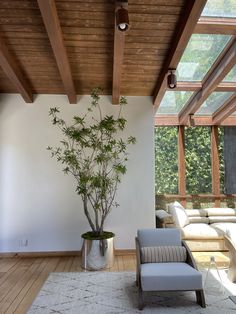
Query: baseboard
59,253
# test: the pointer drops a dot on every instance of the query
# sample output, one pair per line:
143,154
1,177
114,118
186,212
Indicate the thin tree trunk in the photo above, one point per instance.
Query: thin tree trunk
85,201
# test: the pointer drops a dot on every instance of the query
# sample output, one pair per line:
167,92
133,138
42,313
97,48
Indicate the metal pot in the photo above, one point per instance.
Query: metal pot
97,254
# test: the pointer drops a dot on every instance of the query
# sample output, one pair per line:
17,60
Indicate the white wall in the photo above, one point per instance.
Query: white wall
38,202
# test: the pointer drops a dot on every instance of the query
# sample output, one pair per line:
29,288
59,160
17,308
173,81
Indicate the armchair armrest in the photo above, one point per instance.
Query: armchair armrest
163,218
138,261
190,258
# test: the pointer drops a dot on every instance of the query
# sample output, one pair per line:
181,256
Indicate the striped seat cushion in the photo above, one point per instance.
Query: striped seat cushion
163,254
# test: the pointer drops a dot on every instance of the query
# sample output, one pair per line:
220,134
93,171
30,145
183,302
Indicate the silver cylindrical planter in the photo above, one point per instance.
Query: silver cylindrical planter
97,254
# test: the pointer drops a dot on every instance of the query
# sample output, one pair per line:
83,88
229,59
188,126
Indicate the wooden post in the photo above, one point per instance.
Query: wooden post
215,165
181,163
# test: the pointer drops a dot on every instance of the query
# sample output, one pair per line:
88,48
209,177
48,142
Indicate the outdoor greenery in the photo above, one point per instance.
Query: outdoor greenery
198,160
95,154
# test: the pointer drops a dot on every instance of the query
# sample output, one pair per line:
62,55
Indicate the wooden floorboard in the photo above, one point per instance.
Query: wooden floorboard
21,278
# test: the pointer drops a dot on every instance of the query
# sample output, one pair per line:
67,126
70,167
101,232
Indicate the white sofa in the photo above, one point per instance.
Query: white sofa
202,229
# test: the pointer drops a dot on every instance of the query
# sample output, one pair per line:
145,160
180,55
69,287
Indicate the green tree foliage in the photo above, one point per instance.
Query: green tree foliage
197,155
221,157
95,154
166,160
198,160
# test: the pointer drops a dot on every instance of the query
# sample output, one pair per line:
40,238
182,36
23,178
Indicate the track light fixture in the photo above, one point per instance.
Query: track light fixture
122,19
171,79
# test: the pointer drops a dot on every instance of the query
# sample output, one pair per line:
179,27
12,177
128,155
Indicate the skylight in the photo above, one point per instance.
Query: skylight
213,102
199,55
231,77
220,8
173,102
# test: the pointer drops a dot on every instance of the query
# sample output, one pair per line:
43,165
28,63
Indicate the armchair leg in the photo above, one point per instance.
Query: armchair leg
200,298
140,299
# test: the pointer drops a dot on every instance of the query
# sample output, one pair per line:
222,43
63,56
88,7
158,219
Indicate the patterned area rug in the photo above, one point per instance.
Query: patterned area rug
115,292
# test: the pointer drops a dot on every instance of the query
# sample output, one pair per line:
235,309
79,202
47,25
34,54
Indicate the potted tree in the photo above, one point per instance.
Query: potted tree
95,154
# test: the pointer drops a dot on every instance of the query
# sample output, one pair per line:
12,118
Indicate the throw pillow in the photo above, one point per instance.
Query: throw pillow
163,254
179,214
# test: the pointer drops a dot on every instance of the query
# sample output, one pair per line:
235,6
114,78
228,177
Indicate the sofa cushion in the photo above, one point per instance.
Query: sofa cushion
199,220
179,214
224,227
196,212
163,254
201,231
222,219
220,211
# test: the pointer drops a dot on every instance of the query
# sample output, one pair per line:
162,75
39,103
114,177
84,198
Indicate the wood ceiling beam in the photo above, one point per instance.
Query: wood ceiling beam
53,28
14,73
225,110
118,57
219,70
166,120
196,86
212,25
184,31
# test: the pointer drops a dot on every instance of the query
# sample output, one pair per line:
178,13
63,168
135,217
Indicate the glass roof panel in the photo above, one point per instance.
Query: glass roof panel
213,102
231,76
173,102
220,8
199,55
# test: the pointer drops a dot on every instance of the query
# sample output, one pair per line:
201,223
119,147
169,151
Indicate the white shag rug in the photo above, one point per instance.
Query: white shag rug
116,292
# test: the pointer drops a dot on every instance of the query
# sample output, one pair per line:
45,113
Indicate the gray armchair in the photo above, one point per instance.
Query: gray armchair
164,263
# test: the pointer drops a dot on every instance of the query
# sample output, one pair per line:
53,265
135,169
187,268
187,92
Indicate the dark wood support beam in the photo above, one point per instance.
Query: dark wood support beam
215,164
220,69
181,163
225,110
180,40
52,25
118,57
213,25
14,73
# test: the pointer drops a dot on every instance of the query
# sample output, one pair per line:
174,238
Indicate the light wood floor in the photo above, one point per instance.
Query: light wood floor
22,277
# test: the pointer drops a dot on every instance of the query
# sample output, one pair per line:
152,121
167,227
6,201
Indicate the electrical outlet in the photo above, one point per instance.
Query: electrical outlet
23,242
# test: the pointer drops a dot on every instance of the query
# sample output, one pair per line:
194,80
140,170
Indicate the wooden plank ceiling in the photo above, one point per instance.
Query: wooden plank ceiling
87,29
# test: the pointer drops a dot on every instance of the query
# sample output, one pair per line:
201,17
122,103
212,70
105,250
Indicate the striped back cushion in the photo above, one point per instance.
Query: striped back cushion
163,254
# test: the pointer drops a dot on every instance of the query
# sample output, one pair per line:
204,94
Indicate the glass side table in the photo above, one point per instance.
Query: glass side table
213,283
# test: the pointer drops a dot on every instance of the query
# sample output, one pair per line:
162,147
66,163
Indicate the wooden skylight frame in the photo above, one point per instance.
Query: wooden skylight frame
211,82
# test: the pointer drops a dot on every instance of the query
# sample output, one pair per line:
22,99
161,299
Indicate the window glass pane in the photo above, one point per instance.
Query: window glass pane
173,102
220,8
166,160
199,55
198,160
231,76
213,102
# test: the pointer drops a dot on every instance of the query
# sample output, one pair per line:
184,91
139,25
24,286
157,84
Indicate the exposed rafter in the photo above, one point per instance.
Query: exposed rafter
14,73
52,24
196,86
219,70
180,41
212,25
225,110
118,57
167,120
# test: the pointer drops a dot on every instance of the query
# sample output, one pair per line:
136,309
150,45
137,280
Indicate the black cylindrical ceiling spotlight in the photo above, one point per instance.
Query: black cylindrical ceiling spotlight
122,19
171,79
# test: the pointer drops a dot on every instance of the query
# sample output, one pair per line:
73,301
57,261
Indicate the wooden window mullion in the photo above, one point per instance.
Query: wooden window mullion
181,164
215,165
